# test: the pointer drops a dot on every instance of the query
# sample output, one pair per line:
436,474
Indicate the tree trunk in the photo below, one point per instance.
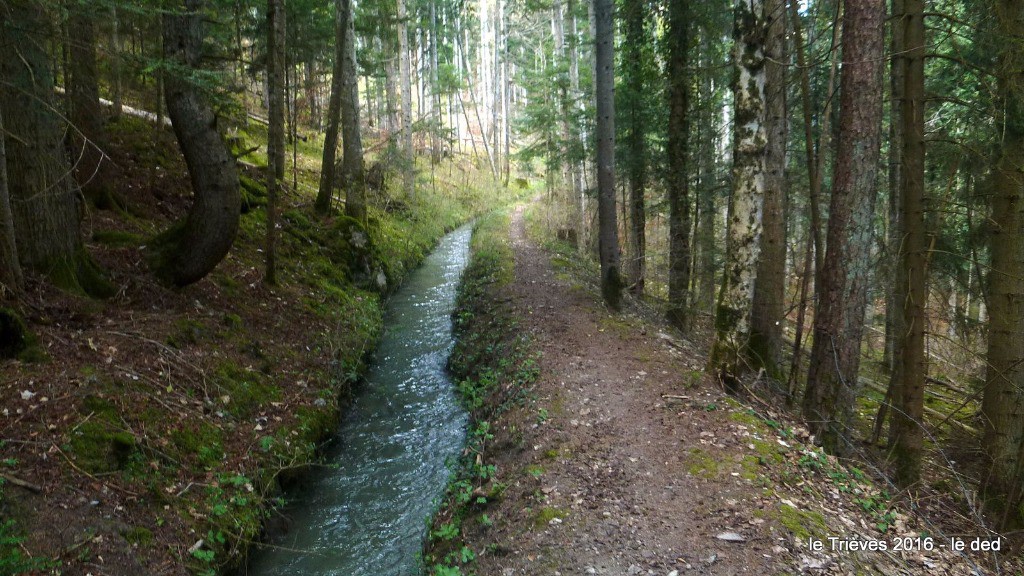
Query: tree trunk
276,28
678,183
115,62
767,313
391,92
611,284
86,114
835,356
352,165
44,198
11,280
405,79
815,168
732,313
910,287
897,77
636,39
326,193
1002,484
576,168
708,130
312,102
189,251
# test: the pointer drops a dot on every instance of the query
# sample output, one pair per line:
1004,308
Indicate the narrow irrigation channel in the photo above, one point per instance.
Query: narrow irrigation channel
365,514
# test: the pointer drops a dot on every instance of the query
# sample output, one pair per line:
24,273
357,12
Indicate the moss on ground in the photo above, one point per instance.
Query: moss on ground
802,523
702,464
100,443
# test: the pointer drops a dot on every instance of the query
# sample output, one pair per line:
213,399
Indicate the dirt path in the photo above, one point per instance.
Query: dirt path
629,460
607,488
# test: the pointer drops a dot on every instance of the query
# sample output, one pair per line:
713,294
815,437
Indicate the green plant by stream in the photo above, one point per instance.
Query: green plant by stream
495,367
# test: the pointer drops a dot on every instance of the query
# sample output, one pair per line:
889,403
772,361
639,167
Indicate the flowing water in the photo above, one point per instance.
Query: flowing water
366,514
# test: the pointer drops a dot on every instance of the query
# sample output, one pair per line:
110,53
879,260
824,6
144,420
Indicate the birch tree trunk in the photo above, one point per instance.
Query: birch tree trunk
838,326
732,313
405,79
1002,484
611,283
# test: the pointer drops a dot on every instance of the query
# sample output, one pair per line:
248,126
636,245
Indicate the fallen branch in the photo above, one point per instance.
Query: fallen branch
21,483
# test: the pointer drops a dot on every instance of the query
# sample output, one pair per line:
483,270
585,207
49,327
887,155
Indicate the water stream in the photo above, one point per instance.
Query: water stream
365,514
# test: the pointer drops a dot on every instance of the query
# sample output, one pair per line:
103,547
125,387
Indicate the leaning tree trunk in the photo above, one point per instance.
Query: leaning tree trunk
1002,484
352,167
44,198
732,314
191,249
767,312
611,284
678,184
838,326
326,193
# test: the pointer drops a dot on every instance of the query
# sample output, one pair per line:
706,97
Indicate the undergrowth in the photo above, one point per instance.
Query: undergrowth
495,367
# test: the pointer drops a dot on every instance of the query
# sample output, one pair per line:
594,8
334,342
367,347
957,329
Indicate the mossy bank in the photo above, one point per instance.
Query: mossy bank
495,365
152,432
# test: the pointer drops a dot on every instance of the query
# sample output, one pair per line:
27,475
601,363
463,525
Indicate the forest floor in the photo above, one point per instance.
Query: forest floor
150,433
628,459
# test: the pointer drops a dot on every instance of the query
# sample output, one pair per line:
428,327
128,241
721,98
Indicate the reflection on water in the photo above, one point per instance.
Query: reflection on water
366,514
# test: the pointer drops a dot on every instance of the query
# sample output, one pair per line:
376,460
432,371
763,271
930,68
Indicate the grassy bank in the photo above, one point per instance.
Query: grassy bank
152,432
495,366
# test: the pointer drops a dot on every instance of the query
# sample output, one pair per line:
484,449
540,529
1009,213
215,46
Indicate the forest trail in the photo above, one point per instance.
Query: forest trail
623,450
631,461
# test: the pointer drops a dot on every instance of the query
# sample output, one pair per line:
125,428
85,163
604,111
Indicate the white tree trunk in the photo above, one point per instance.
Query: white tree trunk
732,315
405,78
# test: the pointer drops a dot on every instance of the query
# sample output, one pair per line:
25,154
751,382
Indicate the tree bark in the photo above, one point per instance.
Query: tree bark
115,62
189,251
11,279
86,112
708,137
352,164
732,314
911,292
635,41
44,198
767,313
815,168
276,30
326,193
1002,484
835,355
611,283
405,79
678,184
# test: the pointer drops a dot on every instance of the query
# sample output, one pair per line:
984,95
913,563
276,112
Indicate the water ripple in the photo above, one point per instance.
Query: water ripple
365,516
